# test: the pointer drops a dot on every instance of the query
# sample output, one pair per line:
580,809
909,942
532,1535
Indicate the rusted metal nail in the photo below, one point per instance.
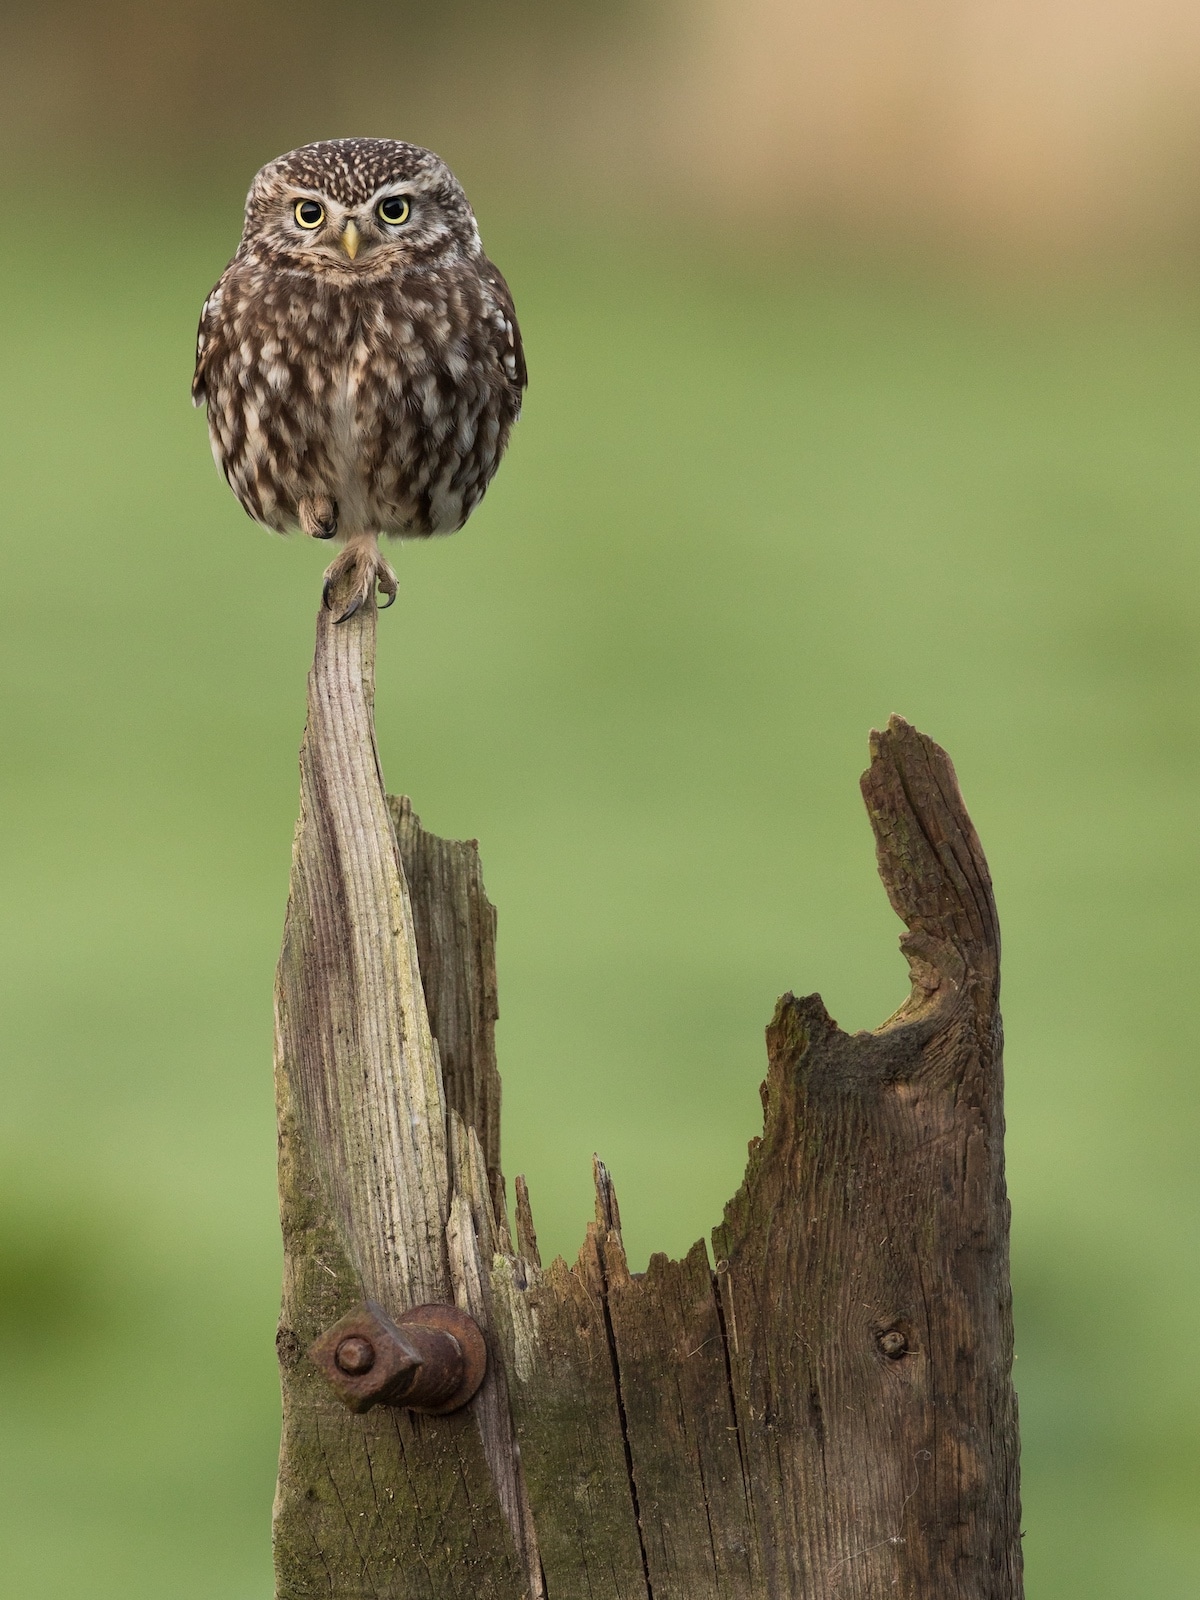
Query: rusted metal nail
430,1359
355,1355
893,1344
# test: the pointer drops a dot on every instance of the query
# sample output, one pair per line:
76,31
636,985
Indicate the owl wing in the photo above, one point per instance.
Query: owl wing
506,334
208,336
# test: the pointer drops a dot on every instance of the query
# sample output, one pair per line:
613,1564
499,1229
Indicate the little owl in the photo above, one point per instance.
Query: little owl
360,357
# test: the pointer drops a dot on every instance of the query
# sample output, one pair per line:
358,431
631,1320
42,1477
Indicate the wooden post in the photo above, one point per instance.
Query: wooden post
382,1172
824,1409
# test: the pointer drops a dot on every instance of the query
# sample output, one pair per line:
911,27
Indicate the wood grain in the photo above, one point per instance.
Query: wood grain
821,1410
386,1504
566,1407
455,925
827,1409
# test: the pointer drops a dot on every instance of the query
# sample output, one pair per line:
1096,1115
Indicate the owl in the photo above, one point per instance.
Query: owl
360,358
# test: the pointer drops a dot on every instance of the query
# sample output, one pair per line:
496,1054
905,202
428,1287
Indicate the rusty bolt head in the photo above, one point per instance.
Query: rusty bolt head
893,1344
429,1359
366,1358
454,1357
355,1355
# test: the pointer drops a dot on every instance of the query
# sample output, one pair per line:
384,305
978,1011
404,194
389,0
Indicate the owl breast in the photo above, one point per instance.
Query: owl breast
392,399
349,427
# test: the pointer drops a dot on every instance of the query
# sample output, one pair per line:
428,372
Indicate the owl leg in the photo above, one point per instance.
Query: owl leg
355,575
318,516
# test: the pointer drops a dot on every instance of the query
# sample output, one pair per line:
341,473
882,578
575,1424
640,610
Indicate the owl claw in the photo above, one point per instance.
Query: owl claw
356,573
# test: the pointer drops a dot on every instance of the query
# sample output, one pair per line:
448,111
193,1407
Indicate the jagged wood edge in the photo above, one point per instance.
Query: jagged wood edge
712,1538
455,925
455,930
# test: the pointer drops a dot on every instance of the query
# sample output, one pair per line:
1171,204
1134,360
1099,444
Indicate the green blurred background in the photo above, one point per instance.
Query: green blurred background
803,447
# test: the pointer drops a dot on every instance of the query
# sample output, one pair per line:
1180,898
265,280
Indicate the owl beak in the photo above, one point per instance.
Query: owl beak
351,239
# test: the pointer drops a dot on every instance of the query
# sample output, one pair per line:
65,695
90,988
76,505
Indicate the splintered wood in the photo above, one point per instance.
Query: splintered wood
822,1408
376,1193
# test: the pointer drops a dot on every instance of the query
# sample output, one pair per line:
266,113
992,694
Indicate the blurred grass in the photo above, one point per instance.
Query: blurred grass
752,509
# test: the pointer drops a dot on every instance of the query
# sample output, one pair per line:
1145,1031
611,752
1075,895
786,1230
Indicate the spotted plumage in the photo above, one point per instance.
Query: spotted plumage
360,357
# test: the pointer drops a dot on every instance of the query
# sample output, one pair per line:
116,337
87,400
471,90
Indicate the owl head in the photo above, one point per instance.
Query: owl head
350,207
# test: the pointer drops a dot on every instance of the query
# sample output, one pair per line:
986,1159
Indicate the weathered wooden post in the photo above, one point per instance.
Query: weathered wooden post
824,1410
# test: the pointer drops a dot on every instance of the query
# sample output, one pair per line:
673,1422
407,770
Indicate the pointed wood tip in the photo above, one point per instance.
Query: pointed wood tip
527,1239
608,1213
930,859
499,1196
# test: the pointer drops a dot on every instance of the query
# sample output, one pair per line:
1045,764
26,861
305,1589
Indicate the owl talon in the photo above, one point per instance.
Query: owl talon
386,579
357,572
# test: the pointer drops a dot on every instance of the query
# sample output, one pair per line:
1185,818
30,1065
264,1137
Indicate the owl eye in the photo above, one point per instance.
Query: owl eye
394,209
309,214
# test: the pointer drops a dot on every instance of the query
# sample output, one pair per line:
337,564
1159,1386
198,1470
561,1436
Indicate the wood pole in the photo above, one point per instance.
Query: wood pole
822,1410
376,1185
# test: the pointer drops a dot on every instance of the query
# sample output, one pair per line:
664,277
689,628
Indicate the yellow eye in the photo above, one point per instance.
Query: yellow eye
309,214
394,209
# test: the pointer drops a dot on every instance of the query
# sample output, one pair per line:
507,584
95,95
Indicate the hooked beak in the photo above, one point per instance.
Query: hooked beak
351,239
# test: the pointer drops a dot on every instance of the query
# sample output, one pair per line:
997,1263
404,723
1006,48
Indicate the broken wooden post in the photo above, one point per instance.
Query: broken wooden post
824,1409
381,1171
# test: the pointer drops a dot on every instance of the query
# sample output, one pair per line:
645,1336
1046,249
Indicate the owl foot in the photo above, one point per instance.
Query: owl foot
318,516
355,574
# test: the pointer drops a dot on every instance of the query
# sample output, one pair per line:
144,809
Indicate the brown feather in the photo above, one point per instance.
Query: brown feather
387,384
